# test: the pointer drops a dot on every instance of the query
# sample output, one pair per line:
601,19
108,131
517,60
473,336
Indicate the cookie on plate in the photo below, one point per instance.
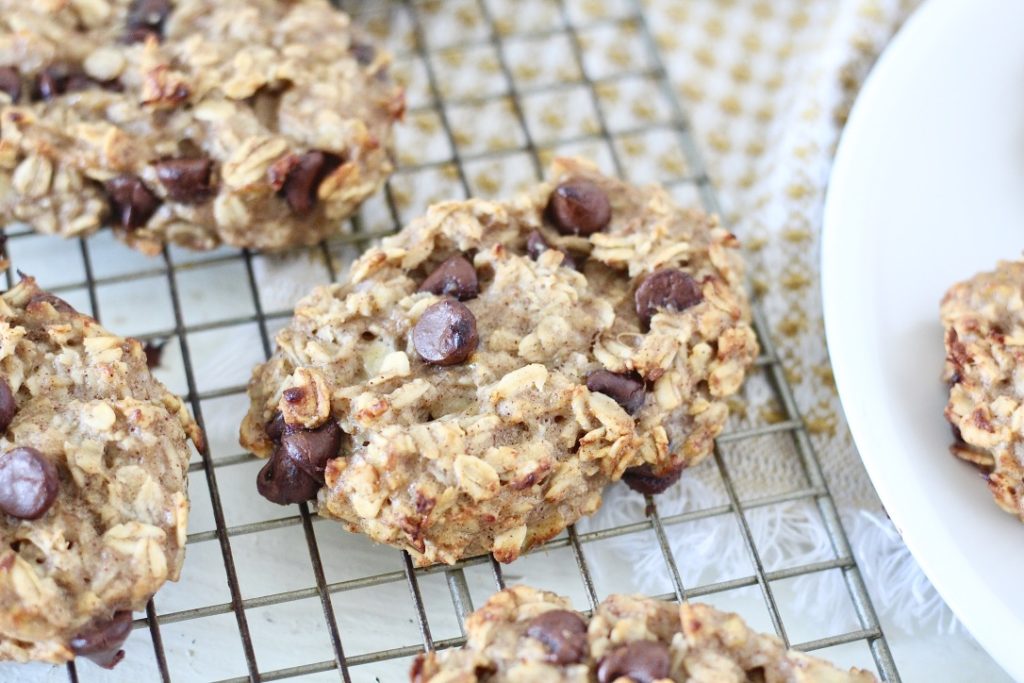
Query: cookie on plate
524,634
253,123
93,465
984,322
476,381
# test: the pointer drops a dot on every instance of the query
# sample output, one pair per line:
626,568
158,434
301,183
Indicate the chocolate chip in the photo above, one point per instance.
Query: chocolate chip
446,333
670,289
55,301
537,245
643,661
50,82
276,427
304,178
579,207
627,390
131,201
643,478
101,642
563,633
59,79
363,52
310,449
10,82
154,350
186,180
8,406
294,395
28,483
146,18
77,81
282,481
455,277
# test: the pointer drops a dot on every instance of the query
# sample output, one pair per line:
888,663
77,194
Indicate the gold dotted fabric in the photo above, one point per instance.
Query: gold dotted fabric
768,86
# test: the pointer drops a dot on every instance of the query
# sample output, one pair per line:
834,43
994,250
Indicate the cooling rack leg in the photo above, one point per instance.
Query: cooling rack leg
417,598
461,598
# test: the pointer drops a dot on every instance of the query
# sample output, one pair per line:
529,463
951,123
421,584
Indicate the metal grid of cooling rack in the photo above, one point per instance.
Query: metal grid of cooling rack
661,526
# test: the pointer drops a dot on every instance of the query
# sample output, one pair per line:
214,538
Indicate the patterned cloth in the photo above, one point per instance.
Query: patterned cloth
768,86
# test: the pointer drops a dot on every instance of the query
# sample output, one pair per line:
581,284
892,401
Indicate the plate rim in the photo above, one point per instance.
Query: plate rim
972,603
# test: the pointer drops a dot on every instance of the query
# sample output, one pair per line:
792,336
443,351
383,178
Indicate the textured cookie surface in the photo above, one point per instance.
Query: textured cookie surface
523,634
984,322
258,123
93,465
480,378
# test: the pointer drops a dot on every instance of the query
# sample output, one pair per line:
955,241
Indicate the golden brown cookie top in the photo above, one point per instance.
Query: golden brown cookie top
495,364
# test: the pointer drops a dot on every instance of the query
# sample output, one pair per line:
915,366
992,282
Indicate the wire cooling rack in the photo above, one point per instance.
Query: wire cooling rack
272,593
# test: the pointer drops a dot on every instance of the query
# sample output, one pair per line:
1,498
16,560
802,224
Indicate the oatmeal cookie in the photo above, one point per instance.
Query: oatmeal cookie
984,322
253,123
477,380
93,465
524,634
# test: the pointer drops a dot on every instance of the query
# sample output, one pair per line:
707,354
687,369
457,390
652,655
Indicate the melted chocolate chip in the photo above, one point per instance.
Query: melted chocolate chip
579,207
59,79
310,449
642,661
78,81
55,301
146,18
101,642
294,395
670,289
28,483
276,427
537,245
563,633
8,406
131,201
154,350
50,82
186,180
643,478
10,82
627,390
455,277
282,481
446,333
304,178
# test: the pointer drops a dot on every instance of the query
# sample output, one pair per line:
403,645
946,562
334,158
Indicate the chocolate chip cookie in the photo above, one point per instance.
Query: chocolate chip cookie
476,381
93,464
523,634
253,123
984,327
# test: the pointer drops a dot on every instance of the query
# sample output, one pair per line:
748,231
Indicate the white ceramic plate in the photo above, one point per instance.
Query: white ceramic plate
928,189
